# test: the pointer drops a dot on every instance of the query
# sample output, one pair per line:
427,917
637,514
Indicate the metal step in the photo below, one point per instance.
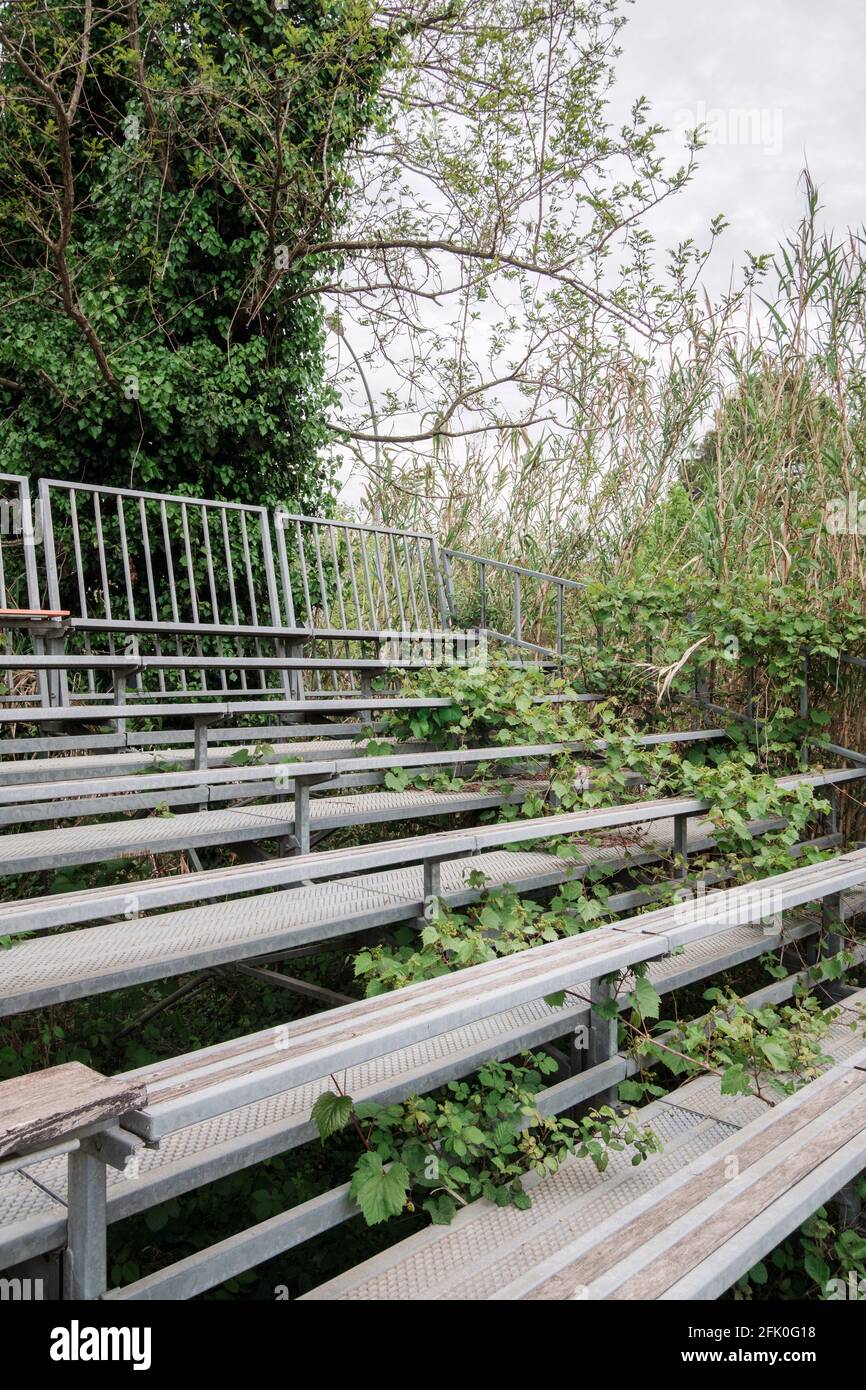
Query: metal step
36,851
494,1252
56,968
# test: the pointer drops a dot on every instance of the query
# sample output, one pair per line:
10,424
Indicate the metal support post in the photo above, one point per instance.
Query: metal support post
85,1274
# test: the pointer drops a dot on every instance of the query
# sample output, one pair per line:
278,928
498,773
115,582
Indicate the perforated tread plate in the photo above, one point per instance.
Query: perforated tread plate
34,850
106,764
62,966
203,1152
489,1252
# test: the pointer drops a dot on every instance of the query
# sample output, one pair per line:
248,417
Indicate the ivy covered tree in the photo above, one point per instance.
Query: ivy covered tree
157,158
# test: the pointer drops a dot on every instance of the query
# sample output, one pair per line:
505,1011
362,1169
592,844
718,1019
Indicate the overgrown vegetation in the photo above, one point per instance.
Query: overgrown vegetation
181,189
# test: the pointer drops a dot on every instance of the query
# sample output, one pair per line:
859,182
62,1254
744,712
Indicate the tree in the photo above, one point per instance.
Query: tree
189,194
155,159
498,279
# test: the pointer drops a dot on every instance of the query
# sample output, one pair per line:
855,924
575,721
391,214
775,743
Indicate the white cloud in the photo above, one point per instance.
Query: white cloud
792,57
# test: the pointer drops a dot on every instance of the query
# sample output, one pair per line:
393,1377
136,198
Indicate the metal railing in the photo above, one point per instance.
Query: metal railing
20,534
148,573
341,574
164,561
524,607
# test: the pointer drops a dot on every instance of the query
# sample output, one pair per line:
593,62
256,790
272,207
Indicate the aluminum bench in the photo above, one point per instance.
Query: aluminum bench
33,1200
201,709
45,800
215,1081
433,851
102,762
290,821
734,1179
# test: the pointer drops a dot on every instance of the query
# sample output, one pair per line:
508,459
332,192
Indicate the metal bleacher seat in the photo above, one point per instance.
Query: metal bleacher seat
263,631
226,1103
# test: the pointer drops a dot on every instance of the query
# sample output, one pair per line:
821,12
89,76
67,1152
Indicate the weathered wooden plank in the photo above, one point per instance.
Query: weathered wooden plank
626,1234
38,1109
714,1229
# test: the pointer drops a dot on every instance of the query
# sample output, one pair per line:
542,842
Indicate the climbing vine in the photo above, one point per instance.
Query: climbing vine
477,1138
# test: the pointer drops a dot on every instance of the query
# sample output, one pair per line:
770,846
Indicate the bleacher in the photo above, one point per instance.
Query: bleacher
189,688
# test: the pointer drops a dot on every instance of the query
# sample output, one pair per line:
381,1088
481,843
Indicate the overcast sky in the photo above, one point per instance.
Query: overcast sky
783,83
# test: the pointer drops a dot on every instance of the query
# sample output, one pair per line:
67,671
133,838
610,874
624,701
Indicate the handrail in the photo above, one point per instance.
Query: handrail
560,581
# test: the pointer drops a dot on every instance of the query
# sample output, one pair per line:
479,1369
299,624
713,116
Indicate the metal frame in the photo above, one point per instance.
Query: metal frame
354,583
164,535
519,575
154,1185
22,513
373,579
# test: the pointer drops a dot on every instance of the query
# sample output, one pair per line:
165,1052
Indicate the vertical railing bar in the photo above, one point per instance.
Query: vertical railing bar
337,575
333,676
441,599
151,591
166,538
270,571
305,578
233,598
518,615
100,543
374,612
353,578
31,569
326,607
48,544
560,619
53,579
124,550
380,575
214,601
103,566
190,572
251,586
413,598
285,572
208,555
397,586
448,588
349,538
193,594
422,570
127,569
248,570
79,576
172,586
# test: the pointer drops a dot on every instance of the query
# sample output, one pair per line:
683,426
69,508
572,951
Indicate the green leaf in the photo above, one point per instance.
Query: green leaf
735,1081
331,1113
648,1000
630,1090
816,1269
379,1193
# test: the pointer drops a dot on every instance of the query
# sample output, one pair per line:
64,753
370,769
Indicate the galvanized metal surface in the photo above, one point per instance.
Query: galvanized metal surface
221,1077
503,1253
67,908
48,970
32,1207
91,843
